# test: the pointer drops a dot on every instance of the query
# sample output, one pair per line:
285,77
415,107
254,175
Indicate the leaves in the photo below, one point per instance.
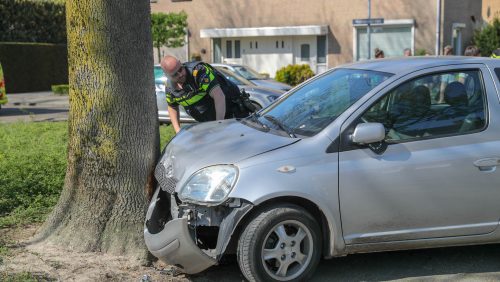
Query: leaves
488,37
294,74
32,21
168,29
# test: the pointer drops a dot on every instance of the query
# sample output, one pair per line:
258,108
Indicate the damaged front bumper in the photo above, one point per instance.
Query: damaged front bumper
188,236
174,245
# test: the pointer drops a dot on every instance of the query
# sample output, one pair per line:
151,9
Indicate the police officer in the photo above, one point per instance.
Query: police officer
204,93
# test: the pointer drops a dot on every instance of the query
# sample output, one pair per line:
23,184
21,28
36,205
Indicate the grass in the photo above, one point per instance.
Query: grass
32,169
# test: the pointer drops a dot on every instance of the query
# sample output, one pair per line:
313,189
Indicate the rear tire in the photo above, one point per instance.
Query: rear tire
280,244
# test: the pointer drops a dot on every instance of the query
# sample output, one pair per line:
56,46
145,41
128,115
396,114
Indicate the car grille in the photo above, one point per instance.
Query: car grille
163,176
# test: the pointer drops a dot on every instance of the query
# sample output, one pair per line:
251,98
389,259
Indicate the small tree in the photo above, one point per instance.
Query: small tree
168,30
488,37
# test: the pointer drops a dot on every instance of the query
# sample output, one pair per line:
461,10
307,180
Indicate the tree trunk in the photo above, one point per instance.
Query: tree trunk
159,55
113,129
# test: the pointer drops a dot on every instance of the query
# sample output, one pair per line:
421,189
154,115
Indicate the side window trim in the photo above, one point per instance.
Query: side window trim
348,125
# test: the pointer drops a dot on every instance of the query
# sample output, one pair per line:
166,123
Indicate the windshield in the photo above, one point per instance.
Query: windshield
309,109
234,78
248,73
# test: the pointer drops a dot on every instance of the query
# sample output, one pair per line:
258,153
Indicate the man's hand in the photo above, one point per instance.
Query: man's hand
174,118
220,102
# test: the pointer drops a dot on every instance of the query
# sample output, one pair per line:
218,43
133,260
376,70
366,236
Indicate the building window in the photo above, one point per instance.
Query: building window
391,39
321,45
304,52
282,44
217,50
229,49
277,44
256,45
251,45
237,52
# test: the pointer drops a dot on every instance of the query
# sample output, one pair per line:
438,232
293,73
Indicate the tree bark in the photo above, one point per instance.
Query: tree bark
113,129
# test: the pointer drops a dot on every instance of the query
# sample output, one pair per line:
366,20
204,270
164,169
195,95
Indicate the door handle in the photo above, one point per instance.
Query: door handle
487,164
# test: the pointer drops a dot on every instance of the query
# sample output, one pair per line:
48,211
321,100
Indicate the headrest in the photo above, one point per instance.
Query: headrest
455,94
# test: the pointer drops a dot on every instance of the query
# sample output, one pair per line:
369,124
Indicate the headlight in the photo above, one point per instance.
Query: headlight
210,185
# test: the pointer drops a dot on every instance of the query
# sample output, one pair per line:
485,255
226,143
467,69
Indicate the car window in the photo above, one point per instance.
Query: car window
309,109
433,105
231,76
248,73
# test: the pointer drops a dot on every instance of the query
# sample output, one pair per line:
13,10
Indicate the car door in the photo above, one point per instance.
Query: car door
435,173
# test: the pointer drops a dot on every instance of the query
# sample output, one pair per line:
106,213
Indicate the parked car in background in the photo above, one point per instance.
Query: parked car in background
260,97
252,75
373,156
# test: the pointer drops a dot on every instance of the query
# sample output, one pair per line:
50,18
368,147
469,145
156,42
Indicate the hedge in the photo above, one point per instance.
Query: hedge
61,89
294,74
31,67
32,21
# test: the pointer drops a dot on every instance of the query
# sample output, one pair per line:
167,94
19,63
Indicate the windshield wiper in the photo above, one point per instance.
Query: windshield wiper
255,118
280,124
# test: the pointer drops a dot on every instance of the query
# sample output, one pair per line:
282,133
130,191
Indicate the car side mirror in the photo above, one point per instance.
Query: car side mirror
367,133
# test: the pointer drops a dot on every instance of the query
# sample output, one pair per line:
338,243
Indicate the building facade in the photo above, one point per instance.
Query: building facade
270,34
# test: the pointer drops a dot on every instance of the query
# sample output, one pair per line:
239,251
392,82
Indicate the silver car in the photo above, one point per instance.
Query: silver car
248,73
373,156
259,96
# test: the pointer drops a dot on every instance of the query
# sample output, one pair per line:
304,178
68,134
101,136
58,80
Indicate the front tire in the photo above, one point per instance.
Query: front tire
280,244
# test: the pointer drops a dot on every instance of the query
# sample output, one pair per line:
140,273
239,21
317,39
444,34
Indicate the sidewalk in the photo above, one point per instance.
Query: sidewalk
38,99
35,106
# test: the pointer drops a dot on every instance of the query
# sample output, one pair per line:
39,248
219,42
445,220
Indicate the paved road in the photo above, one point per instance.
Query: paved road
36,106
471,263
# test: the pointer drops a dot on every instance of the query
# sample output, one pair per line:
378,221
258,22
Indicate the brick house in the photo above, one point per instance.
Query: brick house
269,34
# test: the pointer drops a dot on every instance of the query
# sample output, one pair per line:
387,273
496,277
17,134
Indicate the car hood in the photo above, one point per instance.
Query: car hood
269,83
218,142
262,90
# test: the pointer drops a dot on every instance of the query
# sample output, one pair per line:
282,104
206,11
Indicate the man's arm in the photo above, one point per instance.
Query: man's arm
220,102
173,112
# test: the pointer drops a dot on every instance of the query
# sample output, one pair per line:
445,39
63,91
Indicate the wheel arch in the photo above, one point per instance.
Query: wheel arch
306,204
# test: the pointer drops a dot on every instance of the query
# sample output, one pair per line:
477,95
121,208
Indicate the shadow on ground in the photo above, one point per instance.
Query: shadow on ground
470,263
9,112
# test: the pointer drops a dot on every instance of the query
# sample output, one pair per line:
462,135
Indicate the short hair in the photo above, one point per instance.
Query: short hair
447,49
472,50
378,52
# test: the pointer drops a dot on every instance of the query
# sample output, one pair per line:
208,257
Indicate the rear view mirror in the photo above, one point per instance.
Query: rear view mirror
366,133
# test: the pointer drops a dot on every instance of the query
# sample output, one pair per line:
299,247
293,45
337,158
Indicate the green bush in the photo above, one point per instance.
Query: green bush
32,21
31,67
32,169
420,52
488,37
294,74
61,89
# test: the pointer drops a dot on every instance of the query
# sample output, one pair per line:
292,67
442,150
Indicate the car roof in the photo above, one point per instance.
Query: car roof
224,64
409,64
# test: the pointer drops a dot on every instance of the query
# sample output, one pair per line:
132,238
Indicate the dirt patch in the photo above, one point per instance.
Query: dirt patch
51,263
